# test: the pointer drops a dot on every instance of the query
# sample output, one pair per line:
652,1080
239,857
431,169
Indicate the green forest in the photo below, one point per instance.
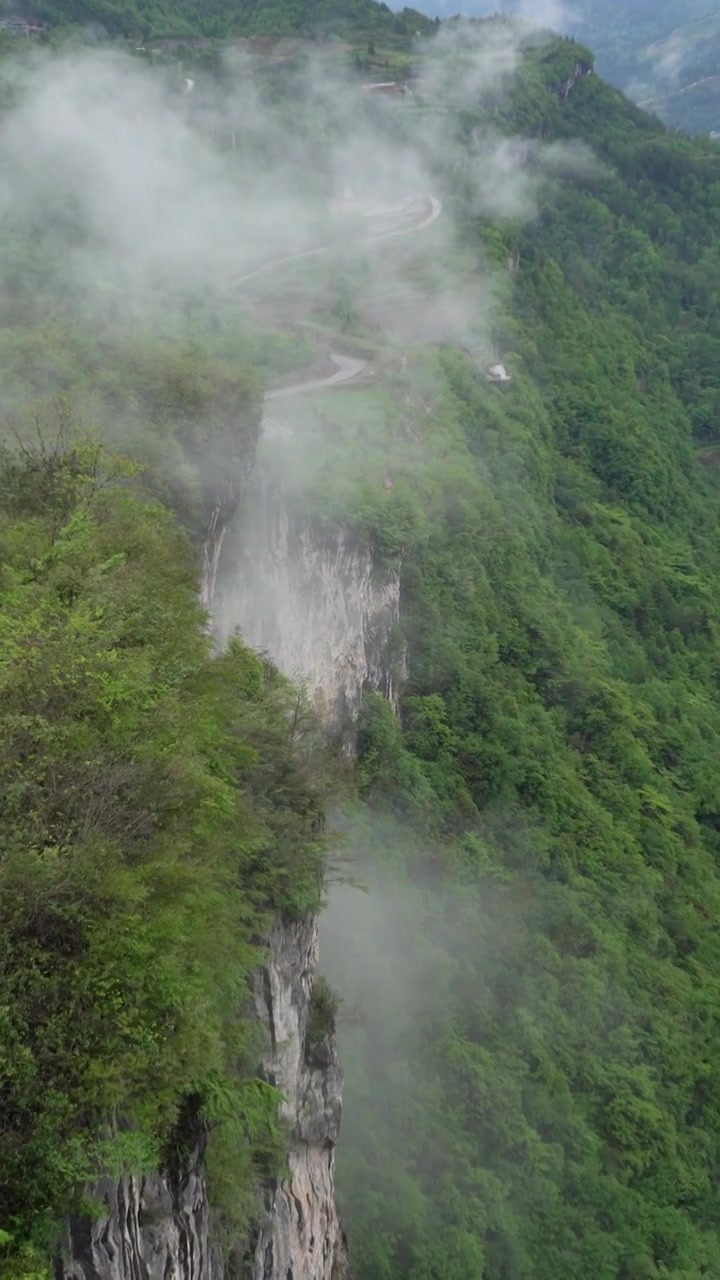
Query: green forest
546,810
157,805
665,56
163,19
533,1092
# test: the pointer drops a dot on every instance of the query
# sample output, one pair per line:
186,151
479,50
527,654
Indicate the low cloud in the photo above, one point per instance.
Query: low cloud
669,57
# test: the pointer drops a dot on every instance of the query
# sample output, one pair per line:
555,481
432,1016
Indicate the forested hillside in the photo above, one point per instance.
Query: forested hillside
144,841
533,1086
665,56
531,982
162,19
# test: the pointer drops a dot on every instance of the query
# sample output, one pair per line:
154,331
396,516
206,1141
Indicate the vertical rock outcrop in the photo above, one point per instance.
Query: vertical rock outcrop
212,550
579,71
316,601
219,507
324,610
299,1235
159,1227
150,1228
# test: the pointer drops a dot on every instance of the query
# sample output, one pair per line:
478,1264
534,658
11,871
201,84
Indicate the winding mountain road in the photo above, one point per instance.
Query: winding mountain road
411,214
346,368
414,213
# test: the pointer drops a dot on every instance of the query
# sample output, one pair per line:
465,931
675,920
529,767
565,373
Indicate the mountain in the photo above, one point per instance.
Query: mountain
218,19
417,387
539,1117
665,56
682,80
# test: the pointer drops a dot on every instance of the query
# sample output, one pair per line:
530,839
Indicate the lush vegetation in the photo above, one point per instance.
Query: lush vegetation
159,801
156,806
663,55
160,19
535,1096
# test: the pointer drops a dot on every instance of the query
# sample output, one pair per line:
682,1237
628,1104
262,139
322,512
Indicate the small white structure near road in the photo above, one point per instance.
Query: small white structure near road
497,373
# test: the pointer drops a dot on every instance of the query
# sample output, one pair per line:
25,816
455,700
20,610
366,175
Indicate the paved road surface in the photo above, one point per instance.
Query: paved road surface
346,368
413,213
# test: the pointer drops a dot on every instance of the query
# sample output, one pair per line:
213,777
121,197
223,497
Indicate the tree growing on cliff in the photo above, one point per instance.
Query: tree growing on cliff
143,842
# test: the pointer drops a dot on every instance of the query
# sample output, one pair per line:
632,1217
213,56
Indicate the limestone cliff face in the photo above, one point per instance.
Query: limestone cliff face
152,1228
159,1227
316,601
215,531
324,610
299,1236
219,507
579,71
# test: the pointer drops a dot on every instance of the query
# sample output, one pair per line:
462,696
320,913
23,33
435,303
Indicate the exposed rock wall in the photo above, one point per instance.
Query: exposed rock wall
316,601
320,605
579,71
153,1228
160,1227
212,550
299,1236
220,505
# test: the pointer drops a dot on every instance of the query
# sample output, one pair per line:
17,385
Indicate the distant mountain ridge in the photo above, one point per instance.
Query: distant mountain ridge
686,87
664,55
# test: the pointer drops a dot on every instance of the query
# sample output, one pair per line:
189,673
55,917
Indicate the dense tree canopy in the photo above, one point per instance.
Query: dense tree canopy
546,810
158,19
144,840
542,1100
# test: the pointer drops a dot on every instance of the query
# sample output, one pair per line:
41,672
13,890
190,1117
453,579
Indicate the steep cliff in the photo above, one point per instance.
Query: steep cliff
321,606
153,1228
159,1227
299,1236
324,610
220,505
581,69
316,601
